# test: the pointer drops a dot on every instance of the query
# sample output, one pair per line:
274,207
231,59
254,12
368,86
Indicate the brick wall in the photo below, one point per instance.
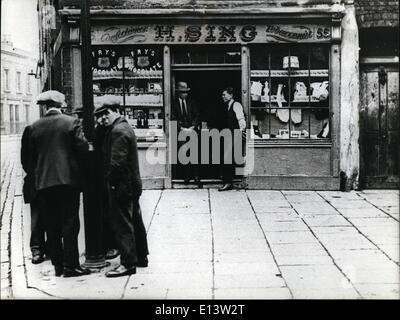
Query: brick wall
377,13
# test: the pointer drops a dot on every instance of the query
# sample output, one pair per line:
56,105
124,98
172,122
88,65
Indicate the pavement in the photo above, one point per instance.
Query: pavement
242,244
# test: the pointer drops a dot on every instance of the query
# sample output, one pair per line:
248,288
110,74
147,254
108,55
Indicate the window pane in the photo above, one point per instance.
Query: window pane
132,75
290,91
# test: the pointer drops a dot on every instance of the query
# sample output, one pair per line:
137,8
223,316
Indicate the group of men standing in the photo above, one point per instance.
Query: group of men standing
53,154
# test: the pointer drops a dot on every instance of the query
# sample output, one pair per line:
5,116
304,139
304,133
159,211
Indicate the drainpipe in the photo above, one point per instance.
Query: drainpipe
349,101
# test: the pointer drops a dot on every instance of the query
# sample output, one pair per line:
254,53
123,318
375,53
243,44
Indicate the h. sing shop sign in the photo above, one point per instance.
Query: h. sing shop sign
209,34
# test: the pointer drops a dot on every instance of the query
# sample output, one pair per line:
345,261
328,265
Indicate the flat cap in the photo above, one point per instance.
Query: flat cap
104,102
51,96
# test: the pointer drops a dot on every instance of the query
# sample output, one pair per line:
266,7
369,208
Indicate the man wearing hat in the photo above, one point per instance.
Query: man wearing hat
184,111
124,186
57,145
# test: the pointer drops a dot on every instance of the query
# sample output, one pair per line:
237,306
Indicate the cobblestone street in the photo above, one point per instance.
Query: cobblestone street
206,244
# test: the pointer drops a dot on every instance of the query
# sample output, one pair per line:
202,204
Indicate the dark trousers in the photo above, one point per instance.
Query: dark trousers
128,229
190,170
140,231
228,163
60,208
37,241
121,215
103,207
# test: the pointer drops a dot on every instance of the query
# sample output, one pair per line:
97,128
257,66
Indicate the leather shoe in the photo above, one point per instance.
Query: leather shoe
227,186
75,272
120,271
142,262
37,258
111,254
59,270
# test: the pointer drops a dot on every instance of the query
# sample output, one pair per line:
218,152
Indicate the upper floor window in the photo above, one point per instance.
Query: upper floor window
7,79
28,84
18,81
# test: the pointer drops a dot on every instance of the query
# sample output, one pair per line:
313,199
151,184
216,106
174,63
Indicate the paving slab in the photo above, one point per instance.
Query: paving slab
295,237
284,226
304,260
314,277
268,280
289,249
379,291
326,221
253,293
325,294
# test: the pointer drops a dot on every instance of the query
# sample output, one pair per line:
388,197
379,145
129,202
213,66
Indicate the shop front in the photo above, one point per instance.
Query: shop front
284,69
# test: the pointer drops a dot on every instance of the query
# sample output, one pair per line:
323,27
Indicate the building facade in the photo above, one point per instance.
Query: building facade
290,64
18,89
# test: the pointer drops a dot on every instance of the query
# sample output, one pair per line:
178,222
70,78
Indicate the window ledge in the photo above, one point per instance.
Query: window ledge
291,143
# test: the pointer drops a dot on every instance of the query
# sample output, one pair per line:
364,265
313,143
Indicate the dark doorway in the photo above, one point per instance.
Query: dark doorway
379,126
206,89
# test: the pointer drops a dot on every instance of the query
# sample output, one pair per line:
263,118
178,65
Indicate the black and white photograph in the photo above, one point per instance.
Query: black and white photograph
209,151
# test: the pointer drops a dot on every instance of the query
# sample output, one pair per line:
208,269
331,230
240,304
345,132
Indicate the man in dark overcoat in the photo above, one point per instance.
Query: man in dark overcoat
37,240
57,145
184,111
121,167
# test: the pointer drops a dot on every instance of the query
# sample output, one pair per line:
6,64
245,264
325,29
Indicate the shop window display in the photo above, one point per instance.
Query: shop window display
134,76
290,92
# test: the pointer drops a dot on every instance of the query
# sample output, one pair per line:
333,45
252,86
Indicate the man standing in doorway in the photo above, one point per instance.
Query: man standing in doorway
184,111
233,120
57,146
121,166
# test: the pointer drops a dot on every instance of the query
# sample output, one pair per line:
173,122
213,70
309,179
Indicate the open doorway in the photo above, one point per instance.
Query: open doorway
206,90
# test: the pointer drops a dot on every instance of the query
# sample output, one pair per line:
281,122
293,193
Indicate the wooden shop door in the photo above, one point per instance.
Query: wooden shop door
379,126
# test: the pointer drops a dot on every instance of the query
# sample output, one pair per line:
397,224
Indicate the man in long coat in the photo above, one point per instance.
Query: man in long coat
37,240
57,143
121,167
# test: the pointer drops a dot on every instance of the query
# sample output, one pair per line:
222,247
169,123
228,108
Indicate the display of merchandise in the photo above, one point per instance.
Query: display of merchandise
294,62
320,90
256,88
324,133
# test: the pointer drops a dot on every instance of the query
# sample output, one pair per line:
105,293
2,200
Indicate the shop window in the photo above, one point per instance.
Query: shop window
133,76
12,118
206,55
290,92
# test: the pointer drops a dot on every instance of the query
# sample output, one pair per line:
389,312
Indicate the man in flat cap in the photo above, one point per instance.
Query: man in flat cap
57,145
184,111
121,166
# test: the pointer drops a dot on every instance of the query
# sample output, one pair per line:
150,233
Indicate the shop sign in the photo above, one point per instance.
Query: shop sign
209,34
137,59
